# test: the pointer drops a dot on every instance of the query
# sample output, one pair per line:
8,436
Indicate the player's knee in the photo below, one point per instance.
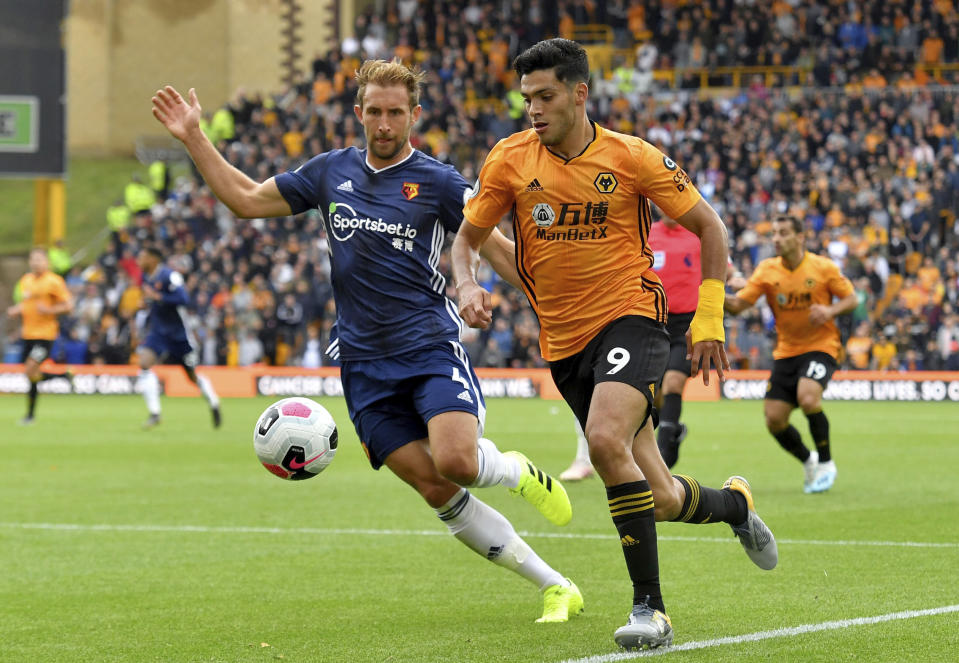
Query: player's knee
145,361
810,403
776,423
606,450
673,382
459,468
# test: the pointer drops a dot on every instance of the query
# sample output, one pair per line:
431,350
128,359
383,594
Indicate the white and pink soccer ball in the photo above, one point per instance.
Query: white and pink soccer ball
295,438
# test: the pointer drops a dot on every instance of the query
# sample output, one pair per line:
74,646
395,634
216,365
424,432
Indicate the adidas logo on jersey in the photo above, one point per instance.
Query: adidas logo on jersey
534,185
465,396
346,186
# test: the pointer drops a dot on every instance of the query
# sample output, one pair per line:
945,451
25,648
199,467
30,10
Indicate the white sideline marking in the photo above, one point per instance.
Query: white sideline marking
768,635
69,527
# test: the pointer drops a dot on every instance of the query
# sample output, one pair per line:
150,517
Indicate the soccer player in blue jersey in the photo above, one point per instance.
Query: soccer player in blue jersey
168,340
410,389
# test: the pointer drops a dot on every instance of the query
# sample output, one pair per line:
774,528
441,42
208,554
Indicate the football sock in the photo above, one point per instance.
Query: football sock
790,440
672,408
582,445
631,507
206,388
31,399
49,376
150,388
819,429
485,531
493,467
668,432
708,505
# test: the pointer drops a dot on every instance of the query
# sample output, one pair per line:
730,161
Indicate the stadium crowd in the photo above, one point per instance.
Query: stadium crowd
863,144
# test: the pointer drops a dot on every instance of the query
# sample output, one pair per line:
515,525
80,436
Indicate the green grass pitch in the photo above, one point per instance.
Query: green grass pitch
175,545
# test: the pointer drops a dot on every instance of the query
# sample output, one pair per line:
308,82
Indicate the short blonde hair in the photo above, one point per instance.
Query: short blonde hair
386,74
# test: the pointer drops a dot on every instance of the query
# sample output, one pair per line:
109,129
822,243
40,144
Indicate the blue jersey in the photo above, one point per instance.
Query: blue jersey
166,319
386,231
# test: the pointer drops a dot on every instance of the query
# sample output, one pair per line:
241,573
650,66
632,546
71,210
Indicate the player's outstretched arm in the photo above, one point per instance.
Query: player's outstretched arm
475,303
245,197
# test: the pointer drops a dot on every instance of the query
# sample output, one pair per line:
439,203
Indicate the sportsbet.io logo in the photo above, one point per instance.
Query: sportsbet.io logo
543,215
343,222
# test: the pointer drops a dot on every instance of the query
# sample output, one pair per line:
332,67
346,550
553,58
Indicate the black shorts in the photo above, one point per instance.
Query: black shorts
676,327
632,350
37,349
784,381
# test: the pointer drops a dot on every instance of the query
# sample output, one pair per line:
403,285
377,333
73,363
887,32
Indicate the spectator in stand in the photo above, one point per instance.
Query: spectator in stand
859,347
883,352
875,158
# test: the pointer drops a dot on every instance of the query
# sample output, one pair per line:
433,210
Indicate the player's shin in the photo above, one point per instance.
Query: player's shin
819,429
790,440
631,507
149,386
707,505
494,468
206,388
485,531
31,399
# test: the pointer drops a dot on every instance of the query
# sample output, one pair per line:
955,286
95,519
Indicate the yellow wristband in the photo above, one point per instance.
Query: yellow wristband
707,323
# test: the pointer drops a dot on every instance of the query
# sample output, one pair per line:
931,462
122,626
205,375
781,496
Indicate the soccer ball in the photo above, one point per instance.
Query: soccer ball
295,438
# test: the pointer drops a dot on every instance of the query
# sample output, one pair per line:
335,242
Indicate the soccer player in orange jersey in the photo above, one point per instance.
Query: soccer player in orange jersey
579,198
44,297
800,288
676,262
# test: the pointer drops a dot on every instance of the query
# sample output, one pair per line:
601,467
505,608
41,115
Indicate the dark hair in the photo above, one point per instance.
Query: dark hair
567,57
154,251
797,223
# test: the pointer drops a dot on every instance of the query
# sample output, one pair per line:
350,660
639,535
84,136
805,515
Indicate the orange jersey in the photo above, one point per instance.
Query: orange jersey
790,294
581,228
47,289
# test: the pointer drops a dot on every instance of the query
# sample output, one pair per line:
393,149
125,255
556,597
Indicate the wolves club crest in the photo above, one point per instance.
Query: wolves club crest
411,190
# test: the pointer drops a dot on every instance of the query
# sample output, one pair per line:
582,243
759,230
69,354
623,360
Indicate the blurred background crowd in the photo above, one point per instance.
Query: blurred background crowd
852,126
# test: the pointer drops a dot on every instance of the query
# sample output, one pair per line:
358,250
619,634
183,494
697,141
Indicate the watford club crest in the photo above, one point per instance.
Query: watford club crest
411,190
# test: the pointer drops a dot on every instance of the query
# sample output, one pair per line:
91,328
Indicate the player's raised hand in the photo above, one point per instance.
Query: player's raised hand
476,305
179,117
704,354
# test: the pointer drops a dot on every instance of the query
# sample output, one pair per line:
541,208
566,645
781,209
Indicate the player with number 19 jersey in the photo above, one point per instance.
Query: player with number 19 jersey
790,294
